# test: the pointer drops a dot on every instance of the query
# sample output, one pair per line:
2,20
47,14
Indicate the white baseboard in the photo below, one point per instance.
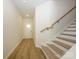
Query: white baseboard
13,49
38,46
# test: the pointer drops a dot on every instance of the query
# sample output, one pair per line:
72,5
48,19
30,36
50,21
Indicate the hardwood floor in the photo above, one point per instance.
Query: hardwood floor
27,50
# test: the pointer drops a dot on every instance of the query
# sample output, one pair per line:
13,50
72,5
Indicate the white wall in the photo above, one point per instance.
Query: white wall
42,18
27,32
60,7
46,14
12,27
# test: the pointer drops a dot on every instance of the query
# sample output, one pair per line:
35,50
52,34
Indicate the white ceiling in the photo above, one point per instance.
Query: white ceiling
27,6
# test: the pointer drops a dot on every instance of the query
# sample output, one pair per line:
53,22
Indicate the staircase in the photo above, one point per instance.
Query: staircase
63,43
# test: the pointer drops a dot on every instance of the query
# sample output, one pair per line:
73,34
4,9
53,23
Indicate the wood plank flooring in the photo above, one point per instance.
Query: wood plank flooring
27,50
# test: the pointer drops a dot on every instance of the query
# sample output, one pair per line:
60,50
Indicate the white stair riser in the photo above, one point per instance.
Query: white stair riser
68,37
70,29
60,47
69,43
72,33
54,52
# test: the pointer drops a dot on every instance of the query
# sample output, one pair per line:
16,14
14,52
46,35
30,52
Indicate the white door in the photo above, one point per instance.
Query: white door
27,32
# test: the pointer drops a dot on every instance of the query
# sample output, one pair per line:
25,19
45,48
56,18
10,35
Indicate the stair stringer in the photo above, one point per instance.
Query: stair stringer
71,54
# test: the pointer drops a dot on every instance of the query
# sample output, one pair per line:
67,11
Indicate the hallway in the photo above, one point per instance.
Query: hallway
39,29
27,50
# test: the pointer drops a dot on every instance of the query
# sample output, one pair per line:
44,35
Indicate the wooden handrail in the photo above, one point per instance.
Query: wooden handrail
47,28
